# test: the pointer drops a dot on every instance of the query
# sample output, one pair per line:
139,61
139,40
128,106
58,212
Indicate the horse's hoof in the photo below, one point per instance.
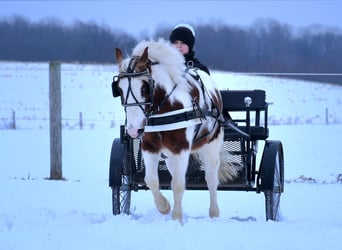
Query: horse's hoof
214,213
166,210
177,216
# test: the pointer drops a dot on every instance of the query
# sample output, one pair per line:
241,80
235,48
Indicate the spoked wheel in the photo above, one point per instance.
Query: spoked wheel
272,197
119,178
272,178
121,196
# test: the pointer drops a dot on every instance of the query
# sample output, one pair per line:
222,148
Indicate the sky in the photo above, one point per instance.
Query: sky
144,17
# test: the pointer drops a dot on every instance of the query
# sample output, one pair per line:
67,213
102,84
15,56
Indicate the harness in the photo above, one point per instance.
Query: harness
170,120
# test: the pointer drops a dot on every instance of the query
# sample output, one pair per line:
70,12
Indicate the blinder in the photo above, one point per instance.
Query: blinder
115,86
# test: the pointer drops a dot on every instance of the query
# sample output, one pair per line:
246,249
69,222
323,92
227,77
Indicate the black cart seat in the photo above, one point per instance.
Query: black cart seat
247,116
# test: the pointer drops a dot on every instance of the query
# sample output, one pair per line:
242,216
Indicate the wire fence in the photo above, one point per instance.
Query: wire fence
13,122
290,74
78,84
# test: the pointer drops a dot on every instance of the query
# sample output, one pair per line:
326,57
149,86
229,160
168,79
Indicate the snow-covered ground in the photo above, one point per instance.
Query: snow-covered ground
36,213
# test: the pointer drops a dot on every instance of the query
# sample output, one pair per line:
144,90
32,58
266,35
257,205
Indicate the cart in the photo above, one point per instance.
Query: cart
246,124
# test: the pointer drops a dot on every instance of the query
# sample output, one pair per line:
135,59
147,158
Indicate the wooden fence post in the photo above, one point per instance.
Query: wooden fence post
14,126
55,98
80,120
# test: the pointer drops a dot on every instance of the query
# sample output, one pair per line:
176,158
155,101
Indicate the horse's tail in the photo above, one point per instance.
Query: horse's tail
229,168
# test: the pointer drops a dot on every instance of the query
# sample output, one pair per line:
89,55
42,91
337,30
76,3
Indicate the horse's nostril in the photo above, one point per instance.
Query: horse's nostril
140,133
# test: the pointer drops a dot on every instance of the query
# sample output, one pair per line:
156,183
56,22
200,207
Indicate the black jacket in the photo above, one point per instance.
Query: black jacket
192,61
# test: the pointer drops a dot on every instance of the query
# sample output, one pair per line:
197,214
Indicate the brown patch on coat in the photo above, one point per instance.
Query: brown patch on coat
205,136
195,93
151,142
201,139
173,140
165,104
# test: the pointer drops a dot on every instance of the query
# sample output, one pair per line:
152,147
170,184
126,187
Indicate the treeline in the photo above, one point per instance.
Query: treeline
269,46
50,40
266,46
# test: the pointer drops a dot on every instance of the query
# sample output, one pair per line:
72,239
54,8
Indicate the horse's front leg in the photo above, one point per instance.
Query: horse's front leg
152,181
177,165
211,160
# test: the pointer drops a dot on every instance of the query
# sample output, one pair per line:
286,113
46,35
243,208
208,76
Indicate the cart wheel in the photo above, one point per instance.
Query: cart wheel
120,183
121,197
272,178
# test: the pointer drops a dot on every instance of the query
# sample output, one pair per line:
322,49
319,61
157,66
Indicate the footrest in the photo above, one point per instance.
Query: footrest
255,133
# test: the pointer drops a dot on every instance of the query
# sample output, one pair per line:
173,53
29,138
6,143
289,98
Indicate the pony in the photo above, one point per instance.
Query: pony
175,111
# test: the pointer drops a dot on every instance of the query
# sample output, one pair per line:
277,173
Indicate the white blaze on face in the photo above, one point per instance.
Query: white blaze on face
135,120
134,114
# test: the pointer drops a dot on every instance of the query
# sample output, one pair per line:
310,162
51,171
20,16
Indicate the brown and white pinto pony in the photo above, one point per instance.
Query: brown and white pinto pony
177,116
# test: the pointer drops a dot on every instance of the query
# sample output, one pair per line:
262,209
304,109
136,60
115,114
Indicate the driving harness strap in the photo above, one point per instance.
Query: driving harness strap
185,117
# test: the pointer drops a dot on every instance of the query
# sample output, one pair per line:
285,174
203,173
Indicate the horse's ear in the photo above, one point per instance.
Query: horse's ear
143,61
118,55
144,56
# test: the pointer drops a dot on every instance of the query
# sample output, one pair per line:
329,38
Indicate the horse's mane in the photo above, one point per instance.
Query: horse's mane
165,54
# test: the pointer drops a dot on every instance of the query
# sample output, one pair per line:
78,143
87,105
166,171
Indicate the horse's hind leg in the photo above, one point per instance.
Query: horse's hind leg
152,181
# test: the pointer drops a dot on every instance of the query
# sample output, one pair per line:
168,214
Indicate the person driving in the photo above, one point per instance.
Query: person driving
183,38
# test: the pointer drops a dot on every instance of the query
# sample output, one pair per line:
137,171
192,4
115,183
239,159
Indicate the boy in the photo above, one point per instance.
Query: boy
183,37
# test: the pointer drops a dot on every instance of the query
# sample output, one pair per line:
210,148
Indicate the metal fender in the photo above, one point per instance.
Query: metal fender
272,155
116,163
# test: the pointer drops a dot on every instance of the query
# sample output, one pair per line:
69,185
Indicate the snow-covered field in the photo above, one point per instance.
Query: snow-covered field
36,213
86,89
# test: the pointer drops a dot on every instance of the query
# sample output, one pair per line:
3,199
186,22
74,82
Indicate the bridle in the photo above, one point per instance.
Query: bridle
129,74
124,101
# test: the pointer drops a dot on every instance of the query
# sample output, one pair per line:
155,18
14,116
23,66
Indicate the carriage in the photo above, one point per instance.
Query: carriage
245,126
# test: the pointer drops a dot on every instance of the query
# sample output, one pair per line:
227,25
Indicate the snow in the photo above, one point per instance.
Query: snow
36,213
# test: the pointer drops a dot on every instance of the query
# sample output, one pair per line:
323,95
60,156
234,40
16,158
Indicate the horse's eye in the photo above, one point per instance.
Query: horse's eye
145,89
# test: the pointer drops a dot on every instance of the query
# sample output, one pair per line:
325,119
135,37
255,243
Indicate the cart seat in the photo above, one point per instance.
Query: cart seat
235,101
